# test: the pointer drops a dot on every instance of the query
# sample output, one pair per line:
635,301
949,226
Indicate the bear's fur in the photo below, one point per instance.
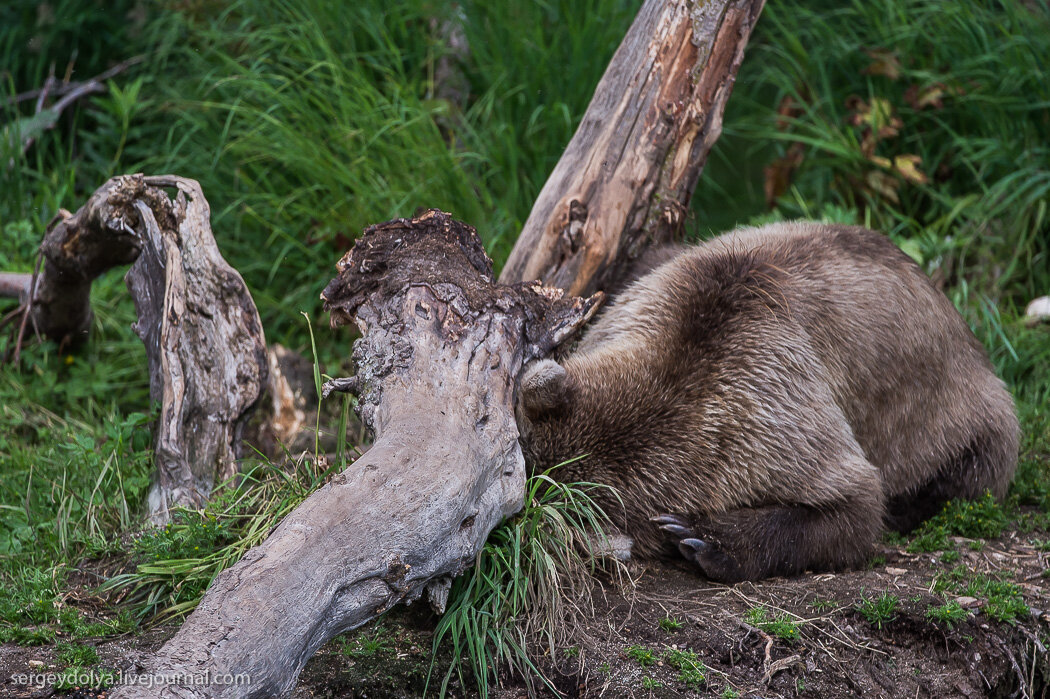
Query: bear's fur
769,401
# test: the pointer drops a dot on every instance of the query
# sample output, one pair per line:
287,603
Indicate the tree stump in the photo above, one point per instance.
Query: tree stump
203,337
441,351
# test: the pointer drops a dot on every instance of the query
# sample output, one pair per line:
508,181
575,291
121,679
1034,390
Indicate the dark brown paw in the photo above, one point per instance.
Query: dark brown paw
713,562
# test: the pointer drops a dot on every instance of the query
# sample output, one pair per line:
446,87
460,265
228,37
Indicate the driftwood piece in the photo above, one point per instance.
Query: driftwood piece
442,348
204,341
625,180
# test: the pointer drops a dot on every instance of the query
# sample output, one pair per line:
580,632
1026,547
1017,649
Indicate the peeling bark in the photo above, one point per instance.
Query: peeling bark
204,342
625,179
442,348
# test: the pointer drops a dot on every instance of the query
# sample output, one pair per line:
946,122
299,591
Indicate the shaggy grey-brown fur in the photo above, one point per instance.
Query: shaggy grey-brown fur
769,401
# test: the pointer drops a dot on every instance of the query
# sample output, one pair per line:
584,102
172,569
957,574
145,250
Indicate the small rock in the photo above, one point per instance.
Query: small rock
36,663
1039,309
896,571
968,602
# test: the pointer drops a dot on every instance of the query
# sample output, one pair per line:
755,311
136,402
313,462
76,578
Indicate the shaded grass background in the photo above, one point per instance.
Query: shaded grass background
307,121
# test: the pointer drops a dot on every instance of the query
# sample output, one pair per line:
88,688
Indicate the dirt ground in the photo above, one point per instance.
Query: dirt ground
837,652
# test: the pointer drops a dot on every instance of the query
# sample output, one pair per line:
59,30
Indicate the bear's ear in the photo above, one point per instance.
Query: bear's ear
544,388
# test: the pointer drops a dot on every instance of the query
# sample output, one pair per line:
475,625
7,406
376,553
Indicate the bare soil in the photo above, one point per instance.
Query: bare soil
838,652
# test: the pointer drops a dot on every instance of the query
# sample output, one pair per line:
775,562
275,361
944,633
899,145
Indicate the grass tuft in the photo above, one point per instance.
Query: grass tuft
879,611
779,626
529,585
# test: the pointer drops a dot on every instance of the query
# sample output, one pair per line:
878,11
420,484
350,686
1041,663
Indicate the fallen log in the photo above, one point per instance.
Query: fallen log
441,351
625,179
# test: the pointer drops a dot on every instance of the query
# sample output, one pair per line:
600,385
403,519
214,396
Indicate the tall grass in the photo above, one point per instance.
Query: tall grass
307,121
931,121
178,562
529,588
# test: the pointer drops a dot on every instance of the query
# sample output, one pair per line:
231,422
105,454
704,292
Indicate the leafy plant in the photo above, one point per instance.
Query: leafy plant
879,611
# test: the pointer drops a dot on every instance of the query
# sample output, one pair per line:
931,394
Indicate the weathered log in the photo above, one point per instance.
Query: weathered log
442,349
204,341
625,180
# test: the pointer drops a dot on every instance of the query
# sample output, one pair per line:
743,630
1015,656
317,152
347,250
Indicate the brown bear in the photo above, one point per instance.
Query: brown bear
769,401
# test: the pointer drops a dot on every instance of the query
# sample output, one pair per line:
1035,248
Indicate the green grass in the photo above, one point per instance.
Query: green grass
514,602
178,562
691,671
779,626
879,611
1003,600
950,614
670,624
642,655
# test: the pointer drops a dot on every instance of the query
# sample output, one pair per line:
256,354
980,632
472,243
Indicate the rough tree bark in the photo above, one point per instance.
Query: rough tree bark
204,341
625,180
442,348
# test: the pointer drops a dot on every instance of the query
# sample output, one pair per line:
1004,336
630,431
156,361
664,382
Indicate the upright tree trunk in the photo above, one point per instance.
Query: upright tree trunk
625,180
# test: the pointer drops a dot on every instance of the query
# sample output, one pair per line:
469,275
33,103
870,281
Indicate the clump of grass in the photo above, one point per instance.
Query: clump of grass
76,654
1003,600
879,611
824,605
779,626
642,655
973,519
530,583
182,558
366,645
691,671
949,614
651,683
670,624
